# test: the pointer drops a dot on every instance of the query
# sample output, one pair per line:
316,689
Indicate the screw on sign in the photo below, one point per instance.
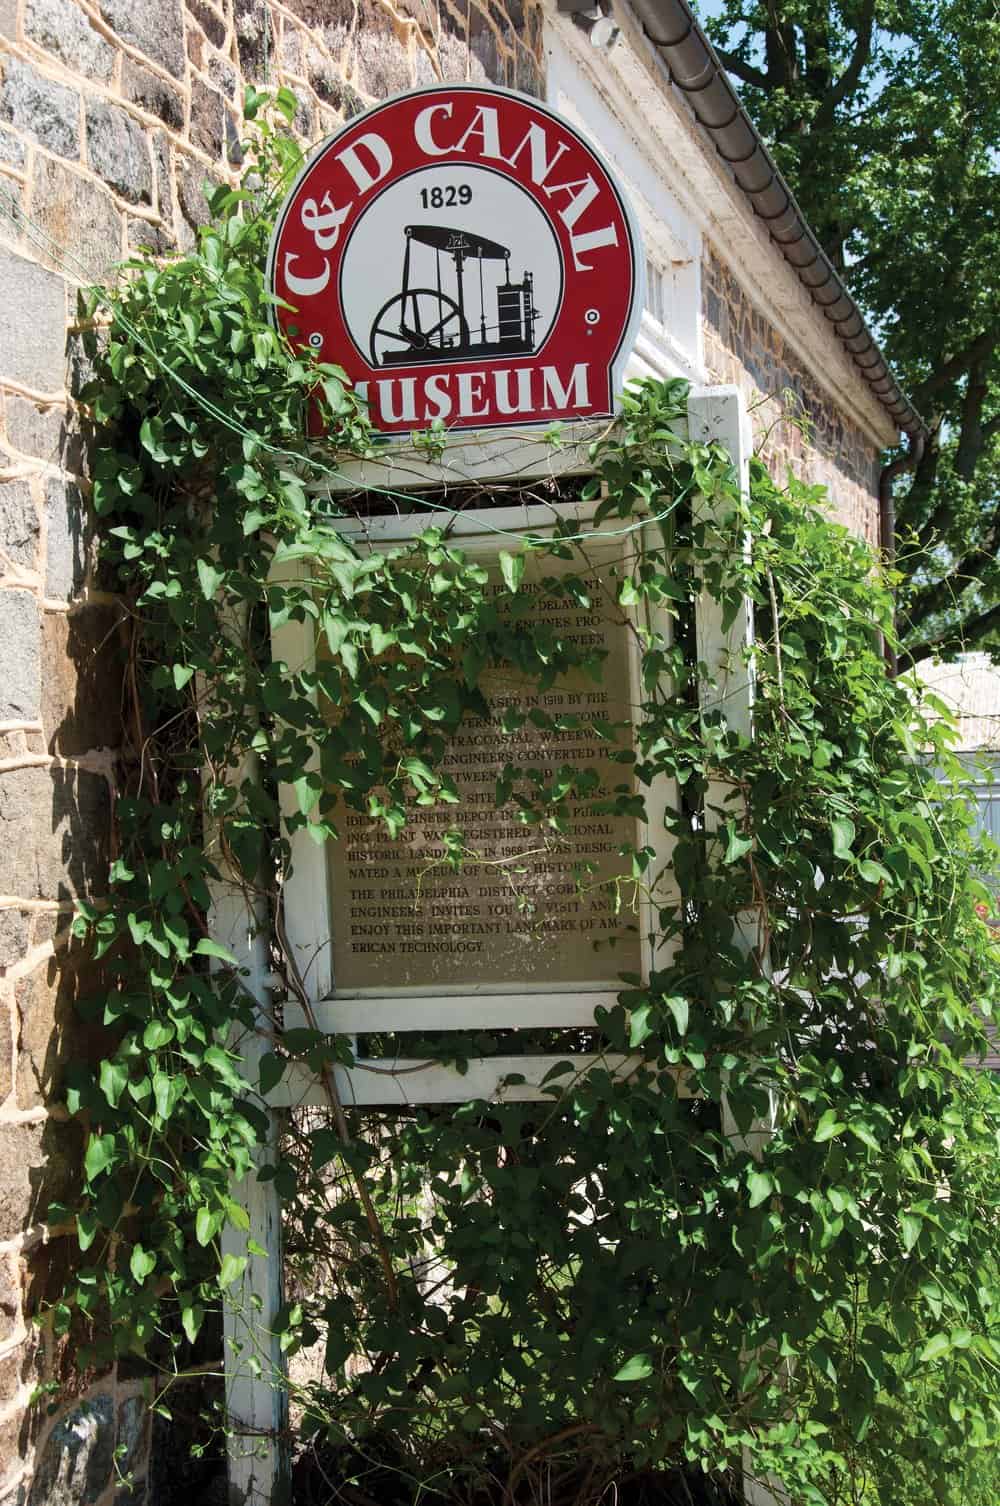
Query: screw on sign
467,257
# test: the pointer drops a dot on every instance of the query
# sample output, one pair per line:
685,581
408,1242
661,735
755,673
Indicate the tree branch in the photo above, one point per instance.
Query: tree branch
977,350
779,50
851,76
944,593
744,71
971,439
951,639
928,520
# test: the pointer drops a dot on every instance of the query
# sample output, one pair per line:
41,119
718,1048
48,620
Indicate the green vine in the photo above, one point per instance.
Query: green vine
771,1274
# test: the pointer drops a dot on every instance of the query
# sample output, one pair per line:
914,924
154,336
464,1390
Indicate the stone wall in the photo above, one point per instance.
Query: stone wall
795,422
113,116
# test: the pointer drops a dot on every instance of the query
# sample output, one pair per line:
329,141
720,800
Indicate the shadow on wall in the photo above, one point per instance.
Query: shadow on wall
56,807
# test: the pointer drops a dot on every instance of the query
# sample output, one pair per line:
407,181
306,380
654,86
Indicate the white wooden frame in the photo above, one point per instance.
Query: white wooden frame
255,1401
714,413
307,907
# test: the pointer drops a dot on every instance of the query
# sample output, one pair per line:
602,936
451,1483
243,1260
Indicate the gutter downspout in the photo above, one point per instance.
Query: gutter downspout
695,69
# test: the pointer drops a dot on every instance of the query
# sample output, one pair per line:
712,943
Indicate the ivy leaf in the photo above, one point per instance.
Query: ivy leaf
214,1056
737,845
237,1215
911,1225
151,438
231,1270
253,521
208,948
935,1347
272,1068
164,1094
512,569
381,640
142,1263
639,1026
829,1127
863,1132
156,1034
205,1225
99,1156
637,1368
192,1317
678,1006
308,789
843,838
114,1080
87,1225
761,1185
209,577
326,1145
182,674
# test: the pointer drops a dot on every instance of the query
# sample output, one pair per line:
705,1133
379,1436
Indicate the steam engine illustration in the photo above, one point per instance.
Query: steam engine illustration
428,324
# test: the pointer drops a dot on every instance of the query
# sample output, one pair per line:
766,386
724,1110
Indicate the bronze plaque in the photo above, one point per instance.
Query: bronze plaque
530,909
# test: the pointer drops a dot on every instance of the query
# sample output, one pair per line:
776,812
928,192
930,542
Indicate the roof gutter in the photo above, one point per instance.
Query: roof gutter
696,70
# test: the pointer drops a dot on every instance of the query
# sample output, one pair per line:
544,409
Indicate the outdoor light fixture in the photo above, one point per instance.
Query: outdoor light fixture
593,17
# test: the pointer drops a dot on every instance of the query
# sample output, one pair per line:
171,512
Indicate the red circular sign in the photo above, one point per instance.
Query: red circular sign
466,257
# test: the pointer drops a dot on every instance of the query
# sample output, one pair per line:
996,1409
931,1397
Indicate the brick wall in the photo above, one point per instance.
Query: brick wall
741,346
112,118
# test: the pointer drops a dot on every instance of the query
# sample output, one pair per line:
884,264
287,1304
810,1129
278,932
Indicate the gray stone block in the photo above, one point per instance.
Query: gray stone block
11,149
155,27
119,153
14,928
10,1299
144,237
191,183
6,1082
8,19
61,27
45,110
161,161
79,215
33,327
82,666
51,1030
76,1462
253,21
54,827
21,1160
66,548
152,93
210,22
20,683
19,525
224,76
207,117
33,430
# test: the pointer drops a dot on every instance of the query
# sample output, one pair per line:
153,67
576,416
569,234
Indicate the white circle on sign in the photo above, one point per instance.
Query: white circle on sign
592,316
450,263
316,340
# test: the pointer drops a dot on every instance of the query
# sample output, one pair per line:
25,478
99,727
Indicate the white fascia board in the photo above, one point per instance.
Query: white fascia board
665,140
671,239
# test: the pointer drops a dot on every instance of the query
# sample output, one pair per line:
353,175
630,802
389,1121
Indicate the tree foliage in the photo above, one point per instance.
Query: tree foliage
772,1241
884,116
